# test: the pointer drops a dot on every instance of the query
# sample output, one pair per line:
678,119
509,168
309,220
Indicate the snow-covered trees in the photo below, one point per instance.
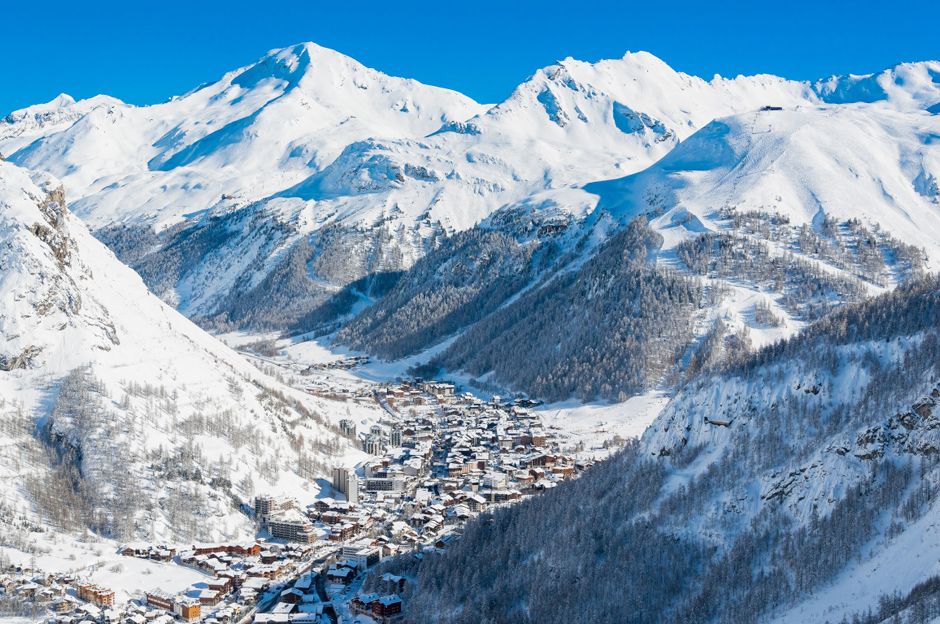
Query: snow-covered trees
461,282
761,483
616,324
94,469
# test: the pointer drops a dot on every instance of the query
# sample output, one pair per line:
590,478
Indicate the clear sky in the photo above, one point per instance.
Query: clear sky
144,51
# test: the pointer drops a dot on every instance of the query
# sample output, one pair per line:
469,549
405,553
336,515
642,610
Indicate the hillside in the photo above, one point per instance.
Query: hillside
798,485
120,415
777,216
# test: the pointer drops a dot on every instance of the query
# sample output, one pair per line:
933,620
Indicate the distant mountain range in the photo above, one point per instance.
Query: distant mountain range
251,201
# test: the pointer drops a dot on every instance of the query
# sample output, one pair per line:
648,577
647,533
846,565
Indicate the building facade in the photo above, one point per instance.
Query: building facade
346,482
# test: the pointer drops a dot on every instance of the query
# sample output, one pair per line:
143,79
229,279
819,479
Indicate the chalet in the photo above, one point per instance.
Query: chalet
323,504
64,605
362,604
304,583
249,550
393,584
268,571
387,606
475,502
255,584
535,459
208,597
189,610
91,612
340,532
340,574
291,596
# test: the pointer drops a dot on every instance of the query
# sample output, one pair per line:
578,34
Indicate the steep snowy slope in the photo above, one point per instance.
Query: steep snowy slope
119,414
799,485
844,162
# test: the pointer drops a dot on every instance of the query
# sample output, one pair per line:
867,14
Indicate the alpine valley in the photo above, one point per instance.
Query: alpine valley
313,344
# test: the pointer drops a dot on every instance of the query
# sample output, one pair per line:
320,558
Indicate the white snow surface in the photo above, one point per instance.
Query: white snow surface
877,165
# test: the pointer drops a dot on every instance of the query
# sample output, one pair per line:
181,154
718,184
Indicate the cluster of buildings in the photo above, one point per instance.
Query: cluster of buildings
239,579
438,458
242,573
72,600
378,607
149,551
457,449
383,607
30,595
345,363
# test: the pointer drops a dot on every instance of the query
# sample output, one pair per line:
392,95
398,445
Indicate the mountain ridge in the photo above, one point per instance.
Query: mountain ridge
332,211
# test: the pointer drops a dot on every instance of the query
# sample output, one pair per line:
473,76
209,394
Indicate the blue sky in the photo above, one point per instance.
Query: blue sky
144,52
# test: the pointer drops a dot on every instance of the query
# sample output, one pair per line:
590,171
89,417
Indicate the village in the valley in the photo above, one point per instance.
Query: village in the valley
437,457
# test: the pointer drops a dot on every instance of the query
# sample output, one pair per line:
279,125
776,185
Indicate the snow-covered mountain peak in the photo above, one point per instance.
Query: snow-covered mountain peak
630,65
44,109
20,127
287,64
254,132
60,101
638,95
331,79
907,86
